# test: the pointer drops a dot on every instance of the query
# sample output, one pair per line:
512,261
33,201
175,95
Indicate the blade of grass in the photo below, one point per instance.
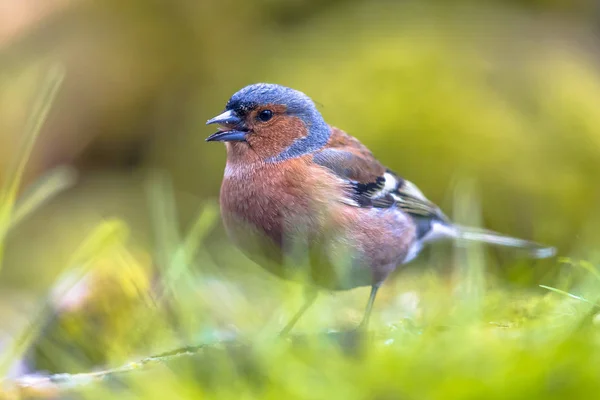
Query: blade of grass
176,253
571,295
40,110
189,248
469,257
589,267
164,219
55,182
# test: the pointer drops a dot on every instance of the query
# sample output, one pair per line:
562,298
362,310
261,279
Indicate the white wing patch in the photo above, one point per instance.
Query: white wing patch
390,185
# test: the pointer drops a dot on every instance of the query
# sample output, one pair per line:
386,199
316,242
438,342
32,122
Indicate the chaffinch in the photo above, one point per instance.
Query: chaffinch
294,183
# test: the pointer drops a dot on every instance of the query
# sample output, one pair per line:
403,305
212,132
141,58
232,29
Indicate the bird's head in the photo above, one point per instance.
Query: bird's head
271,123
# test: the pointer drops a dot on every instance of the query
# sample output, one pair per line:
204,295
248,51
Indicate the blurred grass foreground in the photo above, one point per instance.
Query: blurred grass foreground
117,280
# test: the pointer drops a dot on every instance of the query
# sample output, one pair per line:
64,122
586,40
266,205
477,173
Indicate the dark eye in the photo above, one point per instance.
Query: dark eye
265,115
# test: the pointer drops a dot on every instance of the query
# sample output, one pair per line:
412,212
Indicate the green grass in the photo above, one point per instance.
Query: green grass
541,345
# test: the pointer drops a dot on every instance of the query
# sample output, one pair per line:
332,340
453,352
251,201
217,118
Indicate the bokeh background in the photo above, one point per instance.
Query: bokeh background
502,95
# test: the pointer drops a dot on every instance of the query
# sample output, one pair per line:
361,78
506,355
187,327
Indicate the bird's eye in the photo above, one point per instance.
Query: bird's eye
265,115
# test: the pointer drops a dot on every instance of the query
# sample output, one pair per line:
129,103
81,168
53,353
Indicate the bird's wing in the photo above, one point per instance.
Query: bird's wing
370,183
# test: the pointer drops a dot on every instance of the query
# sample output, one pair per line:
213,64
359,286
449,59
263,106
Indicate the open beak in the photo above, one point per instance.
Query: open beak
233,128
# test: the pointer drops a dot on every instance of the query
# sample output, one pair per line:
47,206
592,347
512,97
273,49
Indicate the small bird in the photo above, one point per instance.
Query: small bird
294,186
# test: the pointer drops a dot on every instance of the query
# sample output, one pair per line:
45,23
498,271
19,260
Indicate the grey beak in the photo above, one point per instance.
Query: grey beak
227,118
227,136
234,135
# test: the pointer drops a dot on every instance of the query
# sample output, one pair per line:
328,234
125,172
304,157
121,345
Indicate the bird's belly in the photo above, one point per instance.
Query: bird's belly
334,246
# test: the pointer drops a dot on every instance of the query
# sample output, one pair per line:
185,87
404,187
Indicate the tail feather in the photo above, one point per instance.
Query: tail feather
535,250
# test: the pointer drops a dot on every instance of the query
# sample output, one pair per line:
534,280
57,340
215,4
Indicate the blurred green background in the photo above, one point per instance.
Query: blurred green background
502,94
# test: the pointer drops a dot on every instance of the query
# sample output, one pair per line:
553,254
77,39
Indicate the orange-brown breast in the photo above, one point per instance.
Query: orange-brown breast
262,204
276,200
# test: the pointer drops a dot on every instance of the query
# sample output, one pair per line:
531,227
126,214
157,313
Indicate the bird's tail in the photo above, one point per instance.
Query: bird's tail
534,250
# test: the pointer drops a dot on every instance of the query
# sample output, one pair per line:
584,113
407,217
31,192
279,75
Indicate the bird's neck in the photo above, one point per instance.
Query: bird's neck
318,136
241,153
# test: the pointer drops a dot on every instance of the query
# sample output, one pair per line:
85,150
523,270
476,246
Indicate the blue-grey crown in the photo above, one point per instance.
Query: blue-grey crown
268,93
297,104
